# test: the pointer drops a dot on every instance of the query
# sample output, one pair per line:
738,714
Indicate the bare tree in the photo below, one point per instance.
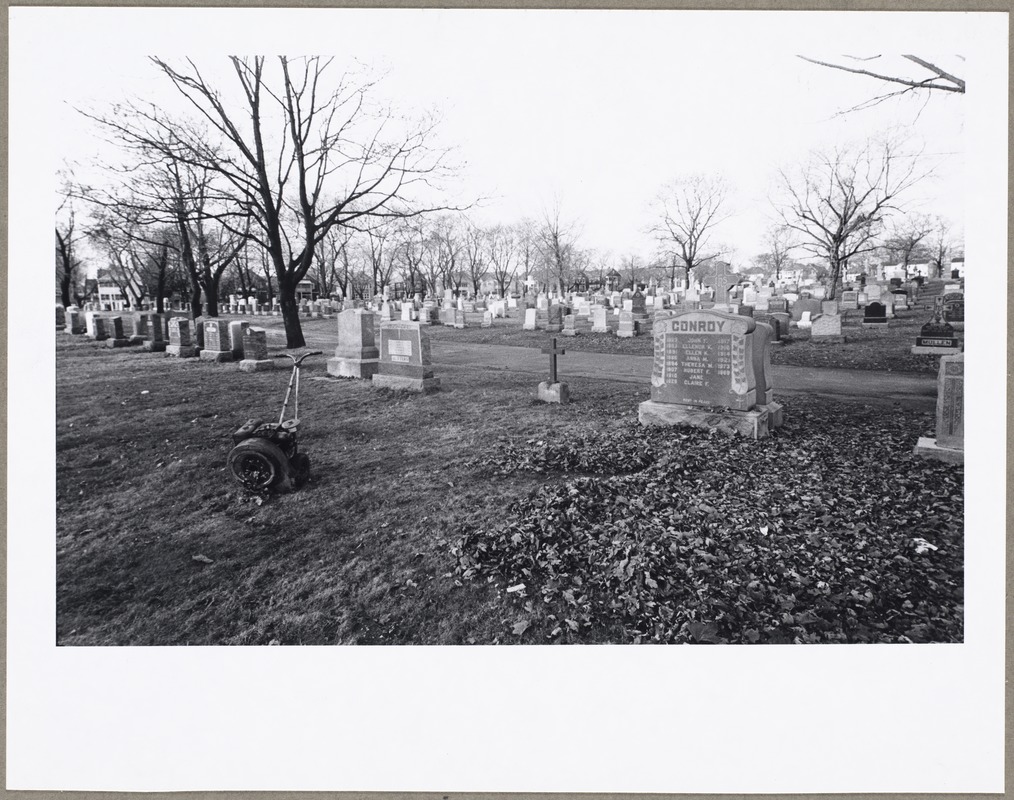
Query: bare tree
527,237
928,76
556,242
333,265
281,141
688,209
69,275
380,253
476,255
906,239
780,240
442,255
410,249
503,256
837,201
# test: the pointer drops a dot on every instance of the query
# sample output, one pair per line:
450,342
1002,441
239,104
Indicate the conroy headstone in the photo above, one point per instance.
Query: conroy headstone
405,358
705,374
949,444
216,347
254,345
357,354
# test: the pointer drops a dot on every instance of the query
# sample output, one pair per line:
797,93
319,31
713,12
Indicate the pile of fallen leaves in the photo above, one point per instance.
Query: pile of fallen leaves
828,531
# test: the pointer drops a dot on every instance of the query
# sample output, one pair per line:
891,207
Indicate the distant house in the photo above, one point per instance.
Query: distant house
305,290
108,292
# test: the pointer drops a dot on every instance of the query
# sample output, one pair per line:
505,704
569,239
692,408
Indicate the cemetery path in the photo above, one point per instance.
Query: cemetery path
910,390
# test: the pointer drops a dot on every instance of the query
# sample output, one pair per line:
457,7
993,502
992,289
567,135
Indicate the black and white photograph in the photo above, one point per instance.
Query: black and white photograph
473,334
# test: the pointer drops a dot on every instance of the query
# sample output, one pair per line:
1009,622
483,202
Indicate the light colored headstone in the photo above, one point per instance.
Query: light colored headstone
805,321
827,328
357,354
530,318
487,319
628,327
569,321
598,315
405,358
236,329
949,444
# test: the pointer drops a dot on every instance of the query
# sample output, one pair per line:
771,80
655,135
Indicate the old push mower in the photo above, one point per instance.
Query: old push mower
266,456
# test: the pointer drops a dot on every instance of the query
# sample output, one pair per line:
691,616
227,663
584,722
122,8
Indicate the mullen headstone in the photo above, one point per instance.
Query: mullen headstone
357,354
569,322
827,328
936,337
829,307
705,374
180,342
405,358
598,316
949,444
850,301
216,341
254,350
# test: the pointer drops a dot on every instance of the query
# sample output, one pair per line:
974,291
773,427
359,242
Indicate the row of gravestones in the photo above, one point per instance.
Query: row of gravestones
211,340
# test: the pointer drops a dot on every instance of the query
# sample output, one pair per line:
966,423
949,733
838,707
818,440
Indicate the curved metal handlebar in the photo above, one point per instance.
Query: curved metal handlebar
298,361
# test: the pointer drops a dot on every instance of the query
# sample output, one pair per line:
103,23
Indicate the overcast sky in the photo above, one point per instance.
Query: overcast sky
594,110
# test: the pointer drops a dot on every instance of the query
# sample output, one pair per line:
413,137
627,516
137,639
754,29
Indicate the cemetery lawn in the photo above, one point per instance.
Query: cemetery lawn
478,515
864,349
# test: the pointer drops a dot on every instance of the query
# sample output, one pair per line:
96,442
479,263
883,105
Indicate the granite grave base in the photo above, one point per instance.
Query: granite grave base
256,364
424,385
218,356
927,447
353,367
181,351
754,424
554,392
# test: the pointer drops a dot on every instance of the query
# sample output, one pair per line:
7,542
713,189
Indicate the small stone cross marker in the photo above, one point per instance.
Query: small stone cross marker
553,351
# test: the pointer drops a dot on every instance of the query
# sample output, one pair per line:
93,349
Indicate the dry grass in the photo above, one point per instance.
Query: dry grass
359,555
